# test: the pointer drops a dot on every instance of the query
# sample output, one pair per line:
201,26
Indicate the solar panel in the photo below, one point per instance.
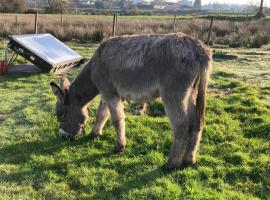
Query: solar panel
45,51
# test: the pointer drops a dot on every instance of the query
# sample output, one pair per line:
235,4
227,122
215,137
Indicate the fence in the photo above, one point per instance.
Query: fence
96,28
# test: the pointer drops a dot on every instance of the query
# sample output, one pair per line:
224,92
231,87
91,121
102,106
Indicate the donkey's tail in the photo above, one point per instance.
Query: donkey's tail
202,83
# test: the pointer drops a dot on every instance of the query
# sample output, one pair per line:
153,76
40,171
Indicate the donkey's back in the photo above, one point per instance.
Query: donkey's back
152,51
138,67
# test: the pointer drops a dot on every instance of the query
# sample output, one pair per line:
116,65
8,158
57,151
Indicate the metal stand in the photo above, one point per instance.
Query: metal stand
9,55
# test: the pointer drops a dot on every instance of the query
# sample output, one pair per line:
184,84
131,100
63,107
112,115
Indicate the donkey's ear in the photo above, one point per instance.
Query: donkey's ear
64,85
58,92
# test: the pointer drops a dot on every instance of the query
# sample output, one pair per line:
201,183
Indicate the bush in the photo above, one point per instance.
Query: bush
239,40
98,36
260,40
13,6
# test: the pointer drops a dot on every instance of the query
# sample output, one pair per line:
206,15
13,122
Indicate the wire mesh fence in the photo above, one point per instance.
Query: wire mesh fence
249,33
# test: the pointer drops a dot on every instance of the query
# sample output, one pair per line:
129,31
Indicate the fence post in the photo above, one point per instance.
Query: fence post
114,24
16,19
61,18
210,30
36,23
174,22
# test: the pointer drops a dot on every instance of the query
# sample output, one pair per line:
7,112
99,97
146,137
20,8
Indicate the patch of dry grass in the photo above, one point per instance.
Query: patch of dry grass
96,28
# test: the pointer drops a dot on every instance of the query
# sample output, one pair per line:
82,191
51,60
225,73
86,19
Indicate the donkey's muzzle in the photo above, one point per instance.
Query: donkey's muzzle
65,135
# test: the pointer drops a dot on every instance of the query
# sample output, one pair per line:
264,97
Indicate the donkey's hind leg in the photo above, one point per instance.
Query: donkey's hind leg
176,108
101,119
140,109
194,135
116,108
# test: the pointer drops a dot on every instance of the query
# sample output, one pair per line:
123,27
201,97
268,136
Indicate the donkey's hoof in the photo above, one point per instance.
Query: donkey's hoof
168,167
68,137
189,163
119,148
93,136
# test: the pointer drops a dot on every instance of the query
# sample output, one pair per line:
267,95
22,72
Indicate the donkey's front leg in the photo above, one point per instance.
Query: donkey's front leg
101,119
118,119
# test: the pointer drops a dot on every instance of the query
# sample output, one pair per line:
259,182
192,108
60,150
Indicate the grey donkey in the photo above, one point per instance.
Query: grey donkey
175,67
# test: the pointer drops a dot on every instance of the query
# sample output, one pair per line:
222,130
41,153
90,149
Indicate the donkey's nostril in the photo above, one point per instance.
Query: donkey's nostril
61,132
65,135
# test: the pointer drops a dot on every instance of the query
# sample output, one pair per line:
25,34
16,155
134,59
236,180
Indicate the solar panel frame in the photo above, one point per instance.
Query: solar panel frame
32,55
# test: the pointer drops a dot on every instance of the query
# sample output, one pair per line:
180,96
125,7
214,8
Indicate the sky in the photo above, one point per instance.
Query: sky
250,2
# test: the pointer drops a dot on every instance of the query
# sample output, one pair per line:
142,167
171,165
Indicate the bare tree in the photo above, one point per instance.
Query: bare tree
261,7
260,13
58,5
13,5
76,4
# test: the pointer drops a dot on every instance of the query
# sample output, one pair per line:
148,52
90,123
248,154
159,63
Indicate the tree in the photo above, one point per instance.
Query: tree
261,7
58,5
260,13
99,5
13,5
197,4
76,4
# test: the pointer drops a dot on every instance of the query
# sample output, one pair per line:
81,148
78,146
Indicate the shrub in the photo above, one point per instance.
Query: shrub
98,36
13,6
260,40
239,40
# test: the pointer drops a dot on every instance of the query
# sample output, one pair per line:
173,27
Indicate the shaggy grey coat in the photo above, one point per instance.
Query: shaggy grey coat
142,67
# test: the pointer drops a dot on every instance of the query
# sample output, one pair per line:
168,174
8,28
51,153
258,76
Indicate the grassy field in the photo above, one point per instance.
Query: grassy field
233,160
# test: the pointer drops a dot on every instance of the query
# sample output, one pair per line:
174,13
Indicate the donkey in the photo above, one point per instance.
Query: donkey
174,67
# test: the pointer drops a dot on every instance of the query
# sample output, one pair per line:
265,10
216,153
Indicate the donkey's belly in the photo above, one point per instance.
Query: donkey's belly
139,94
140,84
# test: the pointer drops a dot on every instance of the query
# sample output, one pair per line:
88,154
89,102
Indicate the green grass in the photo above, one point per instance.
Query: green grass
233,160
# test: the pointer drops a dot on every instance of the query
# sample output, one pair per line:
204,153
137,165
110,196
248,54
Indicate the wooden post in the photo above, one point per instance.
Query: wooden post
36,23
210,30
114,24
62,18
247,20
174,22
16,19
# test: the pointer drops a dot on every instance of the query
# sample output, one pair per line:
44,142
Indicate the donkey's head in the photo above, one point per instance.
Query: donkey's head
71,115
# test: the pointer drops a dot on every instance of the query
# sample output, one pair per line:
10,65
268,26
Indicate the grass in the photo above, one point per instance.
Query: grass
233,160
